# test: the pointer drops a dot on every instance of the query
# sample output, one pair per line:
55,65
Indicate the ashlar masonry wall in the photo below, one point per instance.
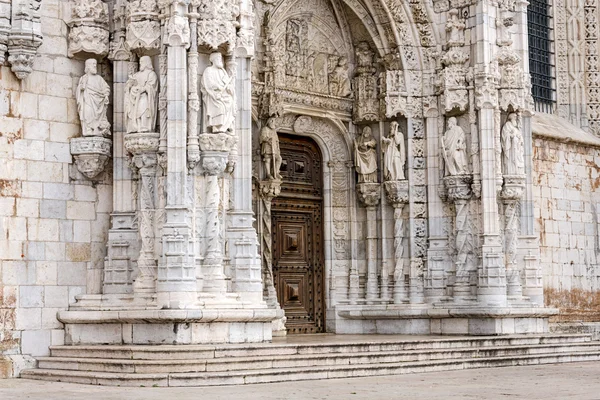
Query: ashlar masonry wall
53,221
567,194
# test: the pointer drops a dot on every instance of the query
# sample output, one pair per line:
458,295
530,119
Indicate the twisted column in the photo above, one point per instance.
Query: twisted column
397,195
459,192
268,191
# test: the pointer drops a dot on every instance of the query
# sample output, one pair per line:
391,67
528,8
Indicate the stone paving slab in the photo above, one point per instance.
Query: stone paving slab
576,381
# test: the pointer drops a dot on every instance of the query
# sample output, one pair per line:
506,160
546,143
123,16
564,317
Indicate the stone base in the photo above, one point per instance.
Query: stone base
168,326
393,319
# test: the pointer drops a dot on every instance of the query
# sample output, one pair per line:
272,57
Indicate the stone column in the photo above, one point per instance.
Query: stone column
511,195
437,252
176,273
492,274
459,192
144,148
369,194
397,195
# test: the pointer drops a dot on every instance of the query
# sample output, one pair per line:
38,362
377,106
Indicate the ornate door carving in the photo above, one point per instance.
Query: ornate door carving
297,218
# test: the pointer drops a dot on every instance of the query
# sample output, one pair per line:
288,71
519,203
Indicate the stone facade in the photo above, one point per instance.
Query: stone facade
143,232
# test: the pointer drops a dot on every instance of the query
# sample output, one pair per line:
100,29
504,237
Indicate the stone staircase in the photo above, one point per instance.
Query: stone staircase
319,358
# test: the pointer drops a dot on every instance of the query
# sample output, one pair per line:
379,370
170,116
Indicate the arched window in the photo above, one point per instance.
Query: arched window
540,54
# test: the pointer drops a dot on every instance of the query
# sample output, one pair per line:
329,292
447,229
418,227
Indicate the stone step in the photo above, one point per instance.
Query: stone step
299,373
301,360
195,352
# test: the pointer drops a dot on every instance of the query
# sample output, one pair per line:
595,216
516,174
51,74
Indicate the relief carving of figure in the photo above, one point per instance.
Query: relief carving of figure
269,149
92,101
454,147
218,91
339,79
512,147
141,98
455,29
364,58
365,156
394,154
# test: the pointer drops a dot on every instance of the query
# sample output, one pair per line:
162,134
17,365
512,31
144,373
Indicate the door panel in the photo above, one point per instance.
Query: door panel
298,237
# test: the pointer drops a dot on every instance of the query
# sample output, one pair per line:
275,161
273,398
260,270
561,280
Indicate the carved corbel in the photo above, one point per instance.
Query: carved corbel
5,12
25,36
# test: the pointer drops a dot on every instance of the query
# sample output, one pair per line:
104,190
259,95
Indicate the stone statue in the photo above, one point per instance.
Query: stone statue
394,154
141,97
455,29
92,101
365,156
339,79
218,91
454,147
512,147
269,148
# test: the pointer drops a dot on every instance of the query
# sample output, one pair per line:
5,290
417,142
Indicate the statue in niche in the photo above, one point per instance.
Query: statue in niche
394,154
141,97
455,29
92,101
365,156
339,79
364,58
454,147
512,147
269,149
218,90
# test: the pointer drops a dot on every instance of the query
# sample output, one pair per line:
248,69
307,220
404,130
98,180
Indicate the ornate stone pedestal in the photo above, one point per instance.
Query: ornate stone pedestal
91,154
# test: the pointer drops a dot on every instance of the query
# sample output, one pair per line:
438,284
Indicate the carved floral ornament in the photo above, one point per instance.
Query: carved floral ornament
89,29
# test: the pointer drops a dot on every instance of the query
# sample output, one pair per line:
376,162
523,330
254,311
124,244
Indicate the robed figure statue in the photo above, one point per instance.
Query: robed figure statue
365,156
92,97
141,97
512,147
394,157
454,147
269,149
219,95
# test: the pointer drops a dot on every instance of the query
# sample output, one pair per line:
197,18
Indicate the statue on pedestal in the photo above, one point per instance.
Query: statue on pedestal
269,148
365,156
92,101
512,147
141,97
394,154
454,147
218,90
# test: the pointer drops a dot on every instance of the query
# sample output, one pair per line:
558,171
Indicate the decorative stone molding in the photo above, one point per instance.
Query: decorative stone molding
25,36
91,154
220,142
89,30
366,97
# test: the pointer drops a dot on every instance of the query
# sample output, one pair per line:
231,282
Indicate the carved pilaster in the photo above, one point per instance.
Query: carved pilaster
369,194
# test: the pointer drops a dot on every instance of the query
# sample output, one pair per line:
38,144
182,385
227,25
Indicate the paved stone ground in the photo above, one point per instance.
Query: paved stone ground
577,381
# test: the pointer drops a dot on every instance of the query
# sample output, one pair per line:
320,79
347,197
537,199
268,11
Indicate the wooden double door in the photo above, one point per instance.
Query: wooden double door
297,223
